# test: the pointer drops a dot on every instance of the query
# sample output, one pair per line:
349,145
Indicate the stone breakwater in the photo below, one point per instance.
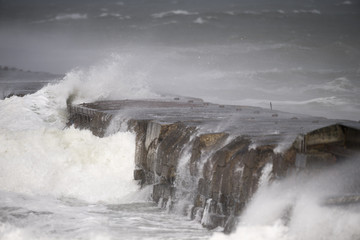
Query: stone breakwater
206,160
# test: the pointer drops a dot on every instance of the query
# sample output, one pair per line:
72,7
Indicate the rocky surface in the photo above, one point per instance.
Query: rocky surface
205,160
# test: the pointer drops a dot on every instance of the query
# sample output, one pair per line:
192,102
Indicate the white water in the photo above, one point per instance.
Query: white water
67,163
294,209
40,157
65,183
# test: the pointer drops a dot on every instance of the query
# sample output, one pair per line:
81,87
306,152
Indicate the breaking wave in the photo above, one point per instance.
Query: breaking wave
67,163
40,157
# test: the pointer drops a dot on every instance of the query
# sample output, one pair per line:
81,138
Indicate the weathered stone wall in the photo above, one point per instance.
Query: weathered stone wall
82,118
225,170
229,179
158,149
317,149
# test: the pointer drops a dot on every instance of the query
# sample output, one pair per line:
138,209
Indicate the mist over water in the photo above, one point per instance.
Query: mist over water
295,208
303,56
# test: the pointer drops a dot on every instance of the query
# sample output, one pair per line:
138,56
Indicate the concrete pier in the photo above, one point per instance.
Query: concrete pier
206,158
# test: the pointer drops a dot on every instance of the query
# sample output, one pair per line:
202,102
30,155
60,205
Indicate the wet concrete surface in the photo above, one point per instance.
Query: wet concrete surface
263,125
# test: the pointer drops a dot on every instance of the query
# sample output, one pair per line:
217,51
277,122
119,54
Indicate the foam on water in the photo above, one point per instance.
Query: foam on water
40,157
69,163
10,232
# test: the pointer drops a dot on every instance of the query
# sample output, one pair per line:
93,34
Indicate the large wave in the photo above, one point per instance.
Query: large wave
67,163
39,156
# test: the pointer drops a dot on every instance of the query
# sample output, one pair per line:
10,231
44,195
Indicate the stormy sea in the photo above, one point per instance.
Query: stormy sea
59,182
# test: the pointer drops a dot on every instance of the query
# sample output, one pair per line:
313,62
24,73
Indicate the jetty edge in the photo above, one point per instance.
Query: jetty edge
205,160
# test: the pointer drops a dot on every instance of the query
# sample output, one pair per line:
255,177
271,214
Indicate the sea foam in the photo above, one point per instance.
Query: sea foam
40,156
67,163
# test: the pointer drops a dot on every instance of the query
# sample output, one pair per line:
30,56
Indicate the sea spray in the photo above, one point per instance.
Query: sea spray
116,77
206,219
118,123
38,110
69,163
185,183
293,209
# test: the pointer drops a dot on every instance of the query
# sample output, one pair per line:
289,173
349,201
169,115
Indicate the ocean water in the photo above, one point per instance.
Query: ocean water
63,183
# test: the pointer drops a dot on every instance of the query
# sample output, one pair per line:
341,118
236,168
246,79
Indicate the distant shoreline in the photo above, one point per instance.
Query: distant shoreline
19,82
